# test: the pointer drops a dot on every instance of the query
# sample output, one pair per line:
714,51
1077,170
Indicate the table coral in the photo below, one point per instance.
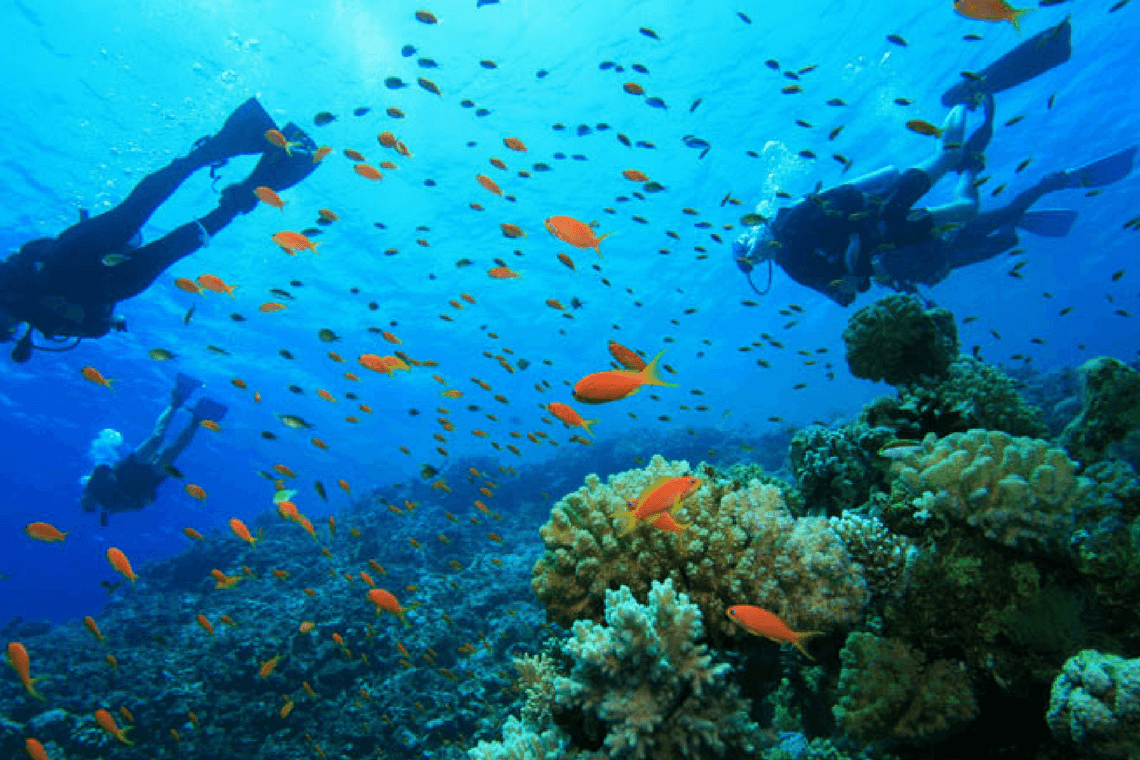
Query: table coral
1019,492
743,547
1095,704
888,691
640,686
898,340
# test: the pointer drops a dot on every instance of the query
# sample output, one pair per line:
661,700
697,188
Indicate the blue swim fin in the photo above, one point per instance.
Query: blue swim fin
1053,223
184,385
208,409
1105,171
1030,59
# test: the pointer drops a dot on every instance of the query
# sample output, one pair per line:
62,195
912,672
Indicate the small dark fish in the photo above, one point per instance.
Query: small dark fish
835,132
904,101
429,85
584,129
281,293
312,232
696,103
606,65
481,3
110,587
320,489
1051,101
624,140
1014,120
773,64
323,118
744,18
1117,275
487,64
218,350
639,68
173,471
427,472
649,33
408,51
268,436
188,315
972,37
237,317
602,127
1118,6
481,112
464,263
970,76
361,111
285,353
807,154
645,144
541,74
1021,167
655,103
427,63
296,283
297,390
653,187
395,83
894,39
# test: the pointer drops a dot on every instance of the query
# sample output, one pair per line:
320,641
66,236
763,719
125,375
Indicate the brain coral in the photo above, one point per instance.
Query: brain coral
743,547
1019,492
1095,704
897,340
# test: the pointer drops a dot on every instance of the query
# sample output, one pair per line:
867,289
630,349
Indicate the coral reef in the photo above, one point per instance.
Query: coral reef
743,547
1105,545
887,558
1095,705
888,691
640,686
972,394
833,467
898,340
1019,492
1110,410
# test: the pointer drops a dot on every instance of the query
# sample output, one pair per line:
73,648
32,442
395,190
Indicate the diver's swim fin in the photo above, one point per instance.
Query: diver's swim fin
1030,59
1053,223
208,409
184,385
1105,171
280,170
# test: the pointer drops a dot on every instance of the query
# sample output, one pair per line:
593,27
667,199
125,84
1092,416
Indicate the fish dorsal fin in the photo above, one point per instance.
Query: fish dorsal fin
653,486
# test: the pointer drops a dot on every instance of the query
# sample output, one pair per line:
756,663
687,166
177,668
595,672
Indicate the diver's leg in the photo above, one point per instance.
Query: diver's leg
972,249
148,447
877,182
178,445
965,205
949,154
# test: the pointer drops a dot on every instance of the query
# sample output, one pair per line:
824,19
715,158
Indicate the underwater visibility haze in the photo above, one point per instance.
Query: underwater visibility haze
501,379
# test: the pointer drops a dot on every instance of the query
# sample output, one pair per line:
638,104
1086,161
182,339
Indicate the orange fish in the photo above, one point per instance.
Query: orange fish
42,531
210,425
452,393
216,285
196,492
106,721
503,273
275,137
242,532
385,601
664,495
569,416
188,285
430,86
192,534
322,151
270,306
353,155
293,242
991,10
488,183
600,387
426,17
512,230
284,471
760,622
633,88
923,128
237,382
367,171
344,484
515,143
390,338
20,662
576,233
93,627
387,139
95,376
394,112
268,666
626,357
327,215
35,750
635,176
269,197
120,562
388,165
206,626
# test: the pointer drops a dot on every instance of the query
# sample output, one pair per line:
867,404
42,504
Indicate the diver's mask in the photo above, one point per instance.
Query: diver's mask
753,248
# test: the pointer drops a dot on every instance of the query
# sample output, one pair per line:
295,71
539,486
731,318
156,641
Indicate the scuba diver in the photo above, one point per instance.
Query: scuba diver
67,287
837,240
132,483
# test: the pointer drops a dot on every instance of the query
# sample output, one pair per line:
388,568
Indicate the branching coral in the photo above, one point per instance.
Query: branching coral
833,467
1095,704
887,691
1019,492
898,340
640,686
743,546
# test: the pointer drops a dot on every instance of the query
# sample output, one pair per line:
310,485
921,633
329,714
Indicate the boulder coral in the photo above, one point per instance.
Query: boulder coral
743,546
1111,408
1095,705
898,340
1019,492
640,686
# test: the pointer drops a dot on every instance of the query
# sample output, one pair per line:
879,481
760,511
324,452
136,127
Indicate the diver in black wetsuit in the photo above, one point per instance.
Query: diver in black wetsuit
67,287
837,240
132,483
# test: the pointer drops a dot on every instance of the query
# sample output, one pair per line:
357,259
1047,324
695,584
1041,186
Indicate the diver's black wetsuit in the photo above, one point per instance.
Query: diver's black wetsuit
813,234
129,486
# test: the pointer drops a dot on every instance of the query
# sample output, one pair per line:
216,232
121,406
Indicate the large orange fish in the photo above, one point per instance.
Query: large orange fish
663,495
241,531
42,531
269,197
567,414
216,284
626,357
106,722
576,233
991,10
22,664
293,242
384,600
95,376
600,387
760,622
120,562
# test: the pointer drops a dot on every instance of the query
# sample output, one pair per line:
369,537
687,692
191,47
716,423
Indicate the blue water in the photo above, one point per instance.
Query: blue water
99,94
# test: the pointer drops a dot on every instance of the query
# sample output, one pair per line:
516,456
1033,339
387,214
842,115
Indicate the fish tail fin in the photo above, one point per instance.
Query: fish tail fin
108,380
588,424
404,620
597,245
651,376
627,521
1015,18
799,638
230,290
123,736
30,686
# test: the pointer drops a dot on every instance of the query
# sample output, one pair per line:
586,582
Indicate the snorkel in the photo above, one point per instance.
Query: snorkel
752,248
